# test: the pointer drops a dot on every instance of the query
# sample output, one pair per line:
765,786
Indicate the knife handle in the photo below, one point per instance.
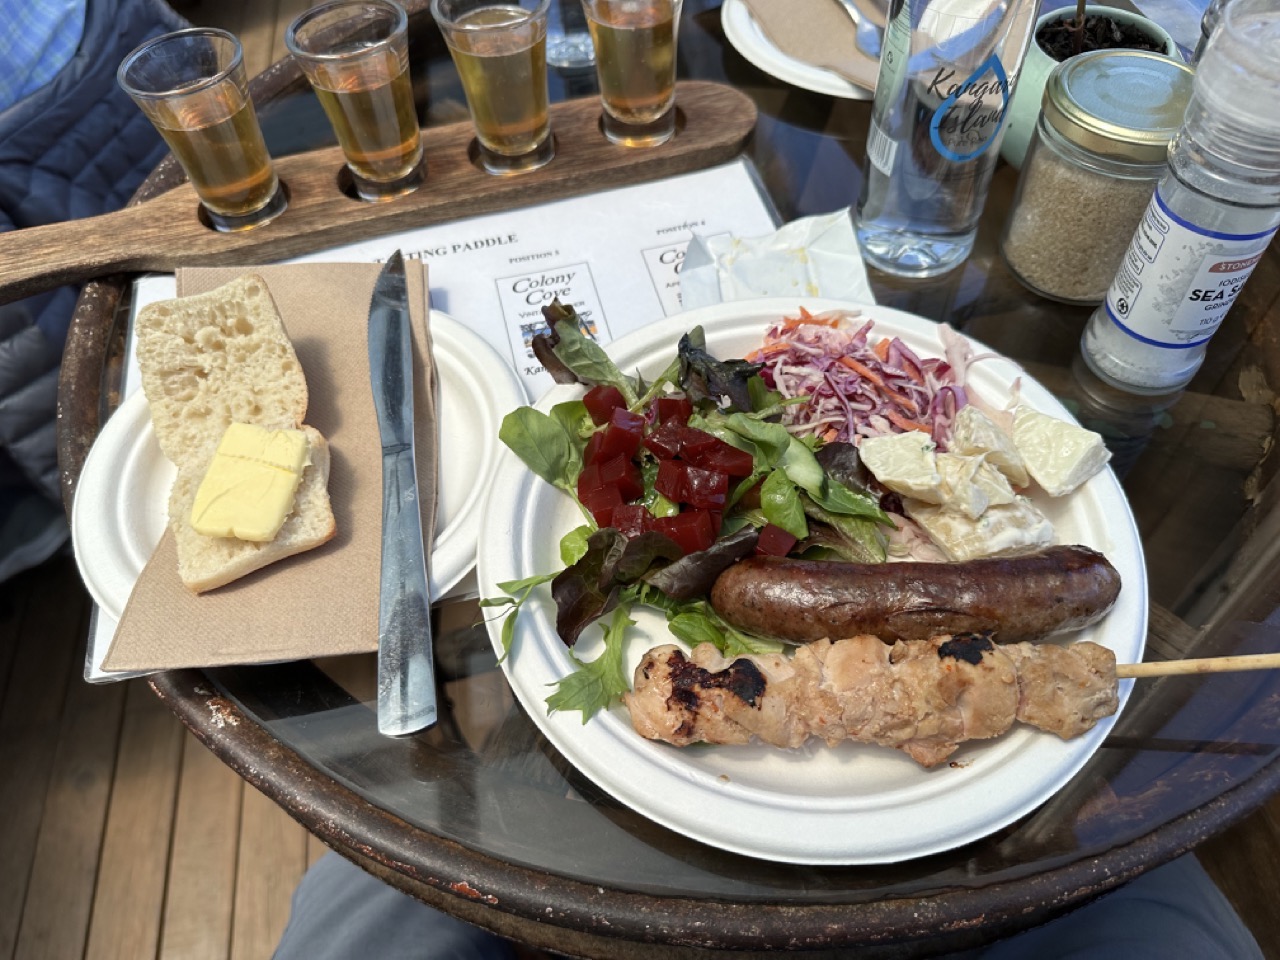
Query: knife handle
406,671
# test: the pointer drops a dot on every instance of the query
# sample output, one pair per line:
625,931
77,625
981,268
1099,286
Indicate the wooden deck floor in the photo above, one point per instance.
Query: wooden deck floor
121,836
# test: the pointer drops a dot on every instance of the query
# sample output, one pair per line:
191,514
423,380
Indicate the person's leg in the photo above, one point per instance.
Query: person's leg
339,912
1174,912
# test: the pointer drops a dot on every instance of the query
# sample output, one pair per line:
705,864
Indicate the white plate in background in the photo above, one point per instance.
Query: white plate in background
749,40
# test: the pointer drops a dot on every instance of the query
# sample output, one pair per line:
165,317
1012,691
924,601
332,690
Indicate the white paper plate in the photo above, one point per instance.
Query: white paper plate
121,505
848,805
750,41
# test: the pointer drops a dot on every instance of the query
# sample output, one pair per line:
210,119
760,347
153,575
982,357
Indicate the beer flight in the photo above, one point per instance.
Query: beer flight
191,85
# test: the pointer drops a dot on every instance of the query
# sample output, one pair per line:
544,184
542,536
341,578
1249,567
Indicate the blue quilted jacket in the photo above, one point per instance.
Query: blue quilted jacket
76,147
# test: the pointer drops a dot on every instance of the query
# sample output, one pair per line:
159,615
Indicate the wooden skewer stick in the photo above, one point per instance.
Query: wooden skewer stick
1167,668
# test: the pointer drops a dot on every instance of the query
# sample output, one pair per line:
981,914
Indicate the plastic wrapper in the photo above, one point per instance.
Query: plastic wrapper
812,257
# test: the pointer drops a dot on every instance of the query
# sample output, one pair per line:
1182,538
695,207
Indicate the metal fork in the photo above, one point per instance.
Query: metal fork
868,34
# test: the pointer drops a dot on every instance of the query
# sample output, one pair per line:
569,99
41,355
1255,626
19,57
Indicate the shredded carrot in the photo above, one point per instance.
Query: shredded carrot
768,350
790,323
862,370
881,349
902,423
865,371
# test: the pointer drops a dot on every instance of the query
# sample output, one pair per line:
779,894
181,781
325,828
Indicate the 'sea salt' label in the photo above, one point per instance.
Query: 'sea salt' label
1178,280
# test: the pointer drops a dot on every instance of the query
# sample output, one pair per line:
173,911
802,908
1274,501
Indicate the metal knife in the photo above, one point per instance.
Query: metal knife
406,674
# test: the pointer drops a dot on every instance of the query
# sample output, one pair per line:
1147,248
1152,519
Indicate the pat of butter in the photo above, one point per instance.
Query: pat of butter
1059,455
249,488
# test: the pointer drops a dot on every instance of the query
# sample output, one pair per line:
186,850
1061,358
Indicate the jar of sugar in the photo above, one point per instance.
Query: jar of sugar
1100,147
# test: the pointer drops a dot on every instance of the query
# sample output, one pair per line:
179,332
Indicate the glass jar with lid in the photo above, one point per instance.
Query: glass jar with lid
1099,148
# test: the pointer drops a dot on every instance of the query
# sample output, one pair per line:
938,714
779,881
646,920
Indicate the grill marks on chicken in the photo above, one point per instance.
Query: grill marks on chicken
924,697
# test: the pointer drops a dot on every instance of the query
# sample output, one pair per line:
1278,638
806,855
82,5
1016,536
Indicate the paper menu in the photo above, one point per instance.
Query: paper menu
615,256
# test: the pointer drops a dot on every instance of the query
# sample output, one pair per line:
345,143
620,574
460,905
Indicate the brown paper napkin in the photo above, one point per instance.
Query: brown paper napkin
819,33
325,601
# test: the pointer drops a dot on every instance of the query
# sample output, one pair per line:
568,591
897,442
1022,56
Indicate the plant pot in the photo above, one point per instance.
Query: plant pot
1028,90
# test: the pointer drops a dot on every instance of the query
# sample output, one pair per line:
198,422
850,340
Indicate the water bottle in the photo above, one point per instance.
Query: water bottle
1211,219
947,68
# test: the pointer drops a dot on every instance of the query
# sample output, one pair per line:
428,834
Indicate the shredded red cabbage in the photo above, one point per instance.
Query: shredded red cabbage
856,387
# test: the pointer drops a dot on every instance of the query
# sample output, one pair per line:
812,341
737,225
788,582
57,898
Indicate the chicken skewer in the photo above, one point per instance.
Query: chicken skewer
924,697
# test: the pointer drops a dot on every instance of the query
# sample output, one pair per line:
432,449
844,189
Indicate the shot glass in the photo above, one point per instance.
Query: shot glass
500,50
191,86
635,44
356,55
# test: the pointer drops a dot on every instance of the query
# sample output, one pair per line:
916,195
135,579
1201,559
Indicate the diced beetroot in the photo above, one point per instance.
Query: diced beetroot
588,480
690,529
674,408
601,401
592,453
705,489
722,457
774,541
632,519
624,440
601,502
624,475
671,481
624,419
695,442
665,441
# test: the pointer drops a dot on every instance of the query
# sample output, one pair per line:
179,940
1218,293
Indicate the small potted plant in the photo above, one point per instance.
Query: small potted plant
1064,33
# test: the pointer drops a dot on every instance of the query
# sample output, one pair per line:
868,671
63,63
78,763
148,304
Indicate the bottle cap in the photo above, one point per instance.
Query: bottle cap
1126,104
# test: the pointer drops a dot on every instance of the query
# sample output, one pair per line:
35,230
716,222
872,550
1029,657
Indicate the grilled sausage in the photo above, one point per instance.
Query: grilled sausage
1013,598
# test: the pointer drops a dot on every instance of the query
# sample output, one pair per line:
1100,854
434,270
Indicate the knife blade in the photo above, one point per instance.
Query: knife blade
406,673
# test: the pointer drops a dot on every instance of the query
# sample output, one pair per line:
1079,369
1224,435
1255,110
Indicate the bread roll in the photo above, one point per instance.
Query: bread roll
210,360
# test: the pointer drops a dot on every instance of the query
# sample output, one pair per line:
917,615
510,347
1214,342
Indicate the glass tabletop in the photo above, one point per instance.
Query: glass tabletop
482,816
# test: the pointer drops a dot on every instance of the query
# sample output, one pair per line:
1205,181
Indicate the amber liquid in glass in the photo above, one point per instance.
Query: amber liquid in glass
505,78
370,104
215,135
636,61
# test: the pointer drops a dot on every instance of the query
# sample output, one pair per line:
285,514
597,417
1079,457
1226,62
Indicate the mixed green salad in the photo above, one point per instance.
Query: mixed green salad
676,479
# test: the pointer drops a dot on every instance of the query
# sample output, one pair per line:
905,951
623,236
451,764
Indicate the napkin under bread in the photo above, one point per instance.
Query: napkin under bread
323,602
819,33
